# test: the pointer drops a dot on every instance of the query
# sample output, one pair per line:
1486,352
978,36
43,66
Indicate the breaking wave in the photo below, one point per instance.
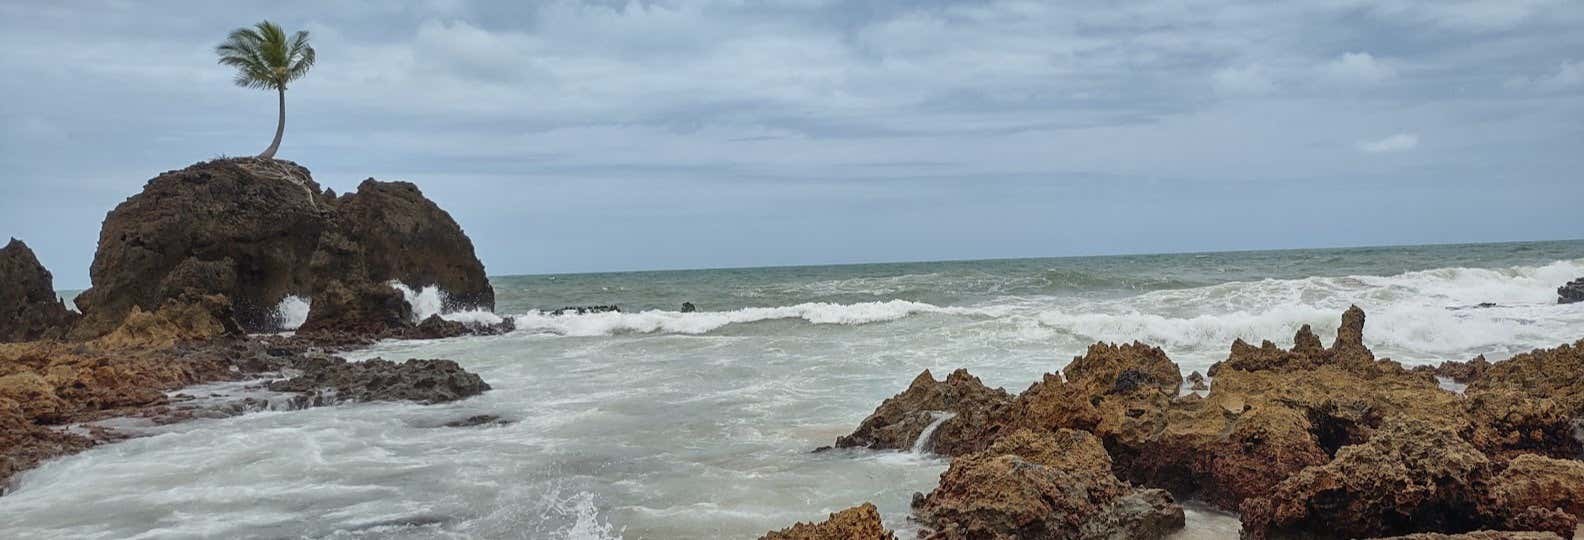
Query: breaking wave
607,323
430,300
292,312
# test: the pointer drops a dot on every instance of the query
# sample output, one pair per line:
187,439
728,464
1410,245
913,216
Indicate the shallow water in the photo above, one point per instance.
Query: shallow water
659,424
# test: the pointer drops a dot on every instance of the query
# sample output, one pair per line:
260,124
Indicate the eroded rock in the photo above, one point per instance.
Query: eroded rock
330,380
29,309
900,420
860,522
1043,485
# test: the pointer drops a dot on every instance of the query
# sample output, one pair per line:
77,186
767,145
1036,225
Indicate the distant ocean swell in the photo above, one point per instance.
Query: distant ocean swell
1435,311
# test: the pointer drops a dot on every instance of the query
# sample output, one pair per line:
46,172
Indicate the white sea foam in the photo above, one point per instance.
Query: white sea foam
658,321
430,300
292,312
1431,314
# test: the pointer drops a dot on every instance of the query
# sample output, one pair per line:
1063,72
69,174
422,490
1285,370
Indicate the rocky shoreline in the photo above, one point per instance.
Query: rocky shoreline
186,280
1304,442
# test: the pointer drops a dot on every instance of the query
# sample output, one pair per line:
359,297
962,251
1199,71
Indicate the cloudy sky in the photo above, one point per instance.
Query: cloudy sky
609,135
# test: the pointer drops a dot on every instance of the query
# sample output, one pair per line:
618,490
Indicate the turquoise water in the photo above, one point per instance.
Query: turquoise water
652,423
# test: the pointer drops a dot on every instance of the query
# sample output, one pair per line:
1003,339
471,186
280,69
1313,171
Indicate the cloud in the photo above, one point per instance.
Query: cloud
1568,76
1250,80
1358,69
1401,142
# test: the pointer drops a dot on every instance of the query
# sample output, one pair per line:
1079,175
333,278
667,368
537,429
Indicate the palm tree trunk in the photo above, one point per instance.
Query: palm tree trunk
280,127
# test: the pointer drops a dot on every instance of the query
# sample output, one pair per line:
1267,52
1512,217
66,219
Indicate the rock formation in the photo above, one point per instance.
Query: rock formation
255,230
1531,403
860,522
1043,485
330,380
29,309
1571,292
900,420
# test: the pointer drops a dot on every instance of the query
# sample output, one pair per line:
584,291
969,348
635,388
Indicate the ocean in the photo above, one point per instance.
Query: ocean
654,423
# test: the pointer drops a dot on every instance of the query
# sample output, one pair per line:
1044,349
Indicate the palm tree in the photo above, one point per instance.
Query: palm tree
266,59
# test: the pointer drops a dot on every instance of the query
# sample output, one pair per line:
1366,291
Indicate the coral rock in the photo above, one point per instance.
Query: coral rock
860,522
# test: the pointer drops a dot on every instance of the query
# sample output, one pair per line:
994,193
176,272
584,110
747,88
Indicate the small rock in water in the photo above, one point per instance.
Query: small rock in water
584,310
1572,292
476,420
688,307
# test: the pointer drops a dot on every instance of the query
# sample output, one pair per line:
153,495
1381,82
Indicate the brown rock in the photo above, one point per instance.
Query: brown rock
1043,485
1412,476
1197,382
1531,403
29,309
860,522
1120,369
255,230
1547,485
1464,372
897,423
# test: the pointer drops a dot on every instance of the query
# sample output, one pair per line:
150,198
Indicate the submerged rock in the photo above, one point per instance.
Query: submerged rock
1572,291
860,522
584,310
331,380
29,309
1043,485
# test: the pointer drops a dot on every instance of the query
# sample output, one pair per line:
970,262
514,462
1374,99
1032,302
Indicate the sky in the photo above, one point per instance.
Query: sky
605,135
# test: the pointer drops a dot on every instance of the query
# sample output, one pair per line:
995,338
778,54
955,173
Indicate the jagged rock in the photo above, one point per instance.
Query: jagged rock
1532,402
183,319
255,230
1274,412
1120,369
1571,292
330,380
899,421
688,307
860,522
29,309
1197,382
1546,486
436,327
1043,485
1413,476
1464,372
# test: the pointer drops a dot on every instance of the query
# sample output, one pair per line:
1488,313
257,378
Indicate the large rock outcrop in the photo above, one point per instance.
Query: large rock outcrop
29,309
255,231
1042,484
860,522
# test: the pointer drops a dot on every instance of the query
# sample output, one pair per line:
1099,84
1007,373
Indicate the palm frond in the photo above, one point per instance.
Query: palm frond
265,57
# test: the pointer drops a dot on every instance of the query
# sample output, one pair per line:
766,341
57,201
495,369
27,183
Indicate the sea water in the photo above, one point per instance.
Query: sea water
653,423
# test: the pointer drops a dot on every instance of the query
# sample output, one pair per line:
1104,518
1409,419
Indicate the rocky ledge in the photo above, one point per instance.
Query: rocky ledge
1309,441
